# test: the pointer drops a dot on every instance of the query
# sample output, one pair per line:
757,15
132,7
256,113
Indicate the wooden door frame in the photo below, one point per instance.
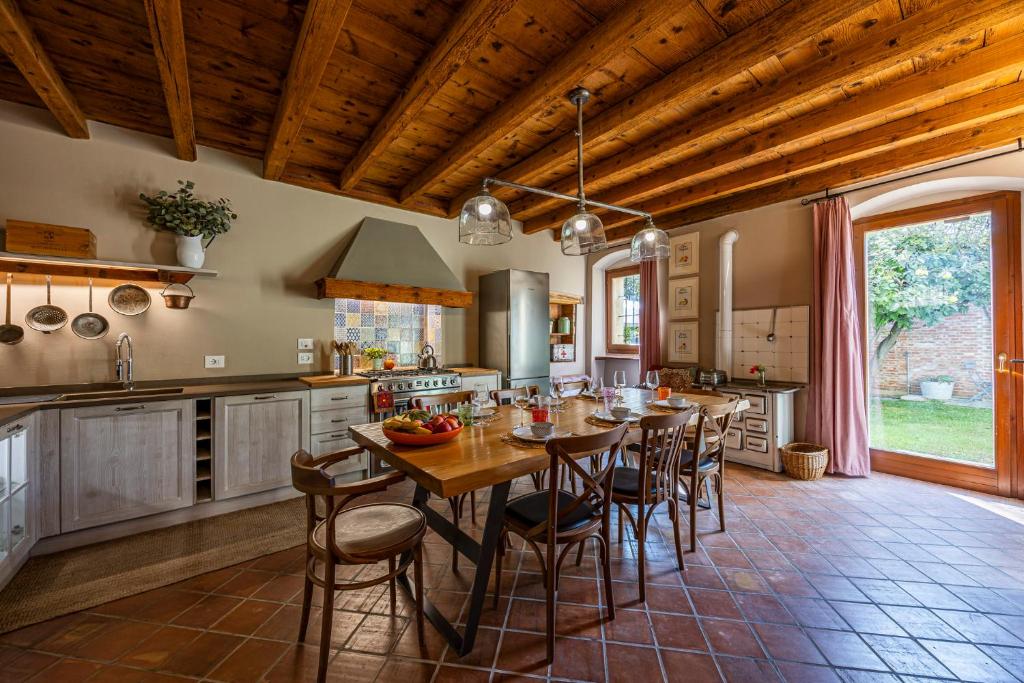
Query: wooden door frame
1007,477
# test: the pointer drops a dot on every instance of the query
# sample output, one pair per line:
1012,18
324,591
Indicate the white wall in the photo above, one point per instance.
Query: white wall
285,238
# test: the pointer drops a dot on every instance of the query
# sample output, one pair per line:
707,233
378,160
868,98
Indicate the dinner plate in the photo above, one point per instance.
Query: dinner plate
483,412
525,434
666,404
608,417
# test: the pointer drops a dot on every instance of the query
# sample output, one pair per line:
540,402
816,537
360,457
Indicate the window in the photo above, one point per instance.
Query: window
622,310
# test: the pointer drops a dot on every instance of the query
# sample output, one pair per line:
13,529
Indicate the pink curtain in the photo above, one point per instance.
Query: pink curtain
650,329
836,408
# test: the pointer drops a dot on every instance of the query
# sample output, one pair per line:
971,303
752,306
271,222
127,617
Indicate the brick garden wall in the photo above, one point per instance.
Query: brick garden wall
942,349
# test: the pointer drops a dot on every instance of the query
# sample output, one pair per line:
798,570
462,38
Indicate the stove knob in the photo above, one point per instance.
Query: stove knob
435,382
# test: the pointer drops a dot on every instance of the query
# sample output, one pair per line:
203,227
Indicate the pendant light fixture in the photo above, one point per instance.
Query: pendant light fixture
485,219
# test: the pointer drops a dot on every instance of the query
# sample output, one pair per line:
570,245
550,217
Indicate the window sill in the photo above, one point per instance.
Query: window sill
617,356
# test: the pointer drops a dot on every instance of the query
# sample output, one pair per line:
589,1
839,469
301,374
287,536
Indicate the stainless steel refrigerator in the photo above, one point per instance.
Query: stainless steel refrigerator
515,327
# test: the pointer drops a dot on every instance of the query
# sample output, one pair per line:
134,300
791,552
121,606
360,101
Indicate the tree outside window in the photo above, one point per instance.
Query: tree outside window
622,318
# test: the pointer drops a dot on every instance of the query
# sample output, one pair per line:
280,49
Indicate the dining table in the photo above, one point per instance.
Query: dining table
487,455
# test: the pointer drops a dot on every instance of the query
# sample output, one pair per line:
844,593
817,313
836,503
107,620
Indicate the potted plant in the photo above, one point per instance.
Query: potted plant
758,370
190,218
376,355
937,388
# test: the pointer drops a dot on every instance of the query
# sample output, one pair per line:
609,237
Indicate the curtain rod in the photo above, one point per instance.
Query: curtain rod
828,195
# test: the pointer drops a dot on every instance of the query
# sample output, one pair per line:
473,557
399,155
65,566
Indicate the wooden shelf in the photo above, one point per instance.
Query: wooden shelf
332,288
563,305
59,266
560,298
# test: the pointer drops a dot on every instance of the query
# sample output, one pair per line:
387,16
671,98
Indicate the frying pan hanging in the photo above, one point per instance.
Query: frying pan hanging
90,325
48,318
10,334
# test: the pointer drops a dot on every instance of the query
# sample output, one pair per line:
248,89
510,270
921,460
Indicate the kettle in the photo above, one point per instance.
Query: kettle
428,361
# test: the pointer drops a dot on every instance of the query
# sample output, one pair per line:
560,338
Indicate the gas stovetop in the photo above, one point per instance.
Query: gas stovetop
411,372
413,381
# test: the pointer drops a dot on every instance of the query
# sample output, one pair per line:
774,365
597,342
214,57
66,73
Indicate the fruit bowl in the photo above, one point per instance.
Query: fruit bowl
407,439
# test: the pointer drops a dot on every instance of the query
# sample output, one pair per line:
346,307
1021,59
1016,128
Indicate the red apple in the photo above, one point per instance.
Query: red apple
442,427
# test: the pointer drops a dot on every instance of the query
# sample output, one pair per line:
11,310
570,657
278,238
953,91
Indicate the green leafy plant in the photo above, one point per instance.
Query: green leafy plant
182,213
945,379
374,352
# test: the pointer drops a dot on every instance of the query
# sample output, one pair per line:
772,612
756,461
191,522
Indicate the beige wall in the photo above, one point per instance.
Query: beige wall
285,238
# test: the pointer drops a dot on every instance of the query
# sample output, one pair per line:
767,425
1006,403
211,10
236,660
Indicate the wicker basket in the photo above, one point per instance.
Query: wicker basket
804,460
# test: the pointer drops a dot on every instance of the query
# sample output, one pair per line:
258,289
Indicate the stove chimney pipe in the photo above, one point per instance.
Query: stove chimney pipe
723,348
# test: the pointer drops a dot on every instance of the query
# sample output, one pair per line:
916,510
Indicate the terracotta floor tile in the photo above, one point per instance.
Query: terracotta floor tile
406,671
708,603
484,650
629,626
687,666
783,641
632,663
978,628
114,639
206,612
207,583
665,599
865,618
702,577
905,656
247,617
921,623
522,653
154,652
731,638
678,631
451,674
743,670
164,605
756,607
200,656
26,665
846,650
281,588
375,634
577,659
68,671
968,662
300,662
794,672
249,662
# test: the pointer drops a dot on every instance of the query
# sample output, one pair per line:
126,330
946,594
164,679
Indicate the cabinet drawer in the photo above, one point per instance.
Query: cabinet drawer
327,443
337,420
339,397
756,443
734,438
756,424
758,403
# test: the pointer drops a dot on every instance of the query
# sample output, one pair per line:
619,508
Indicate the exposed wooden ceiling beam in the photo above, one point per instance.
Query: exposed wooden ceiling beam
1002,59
623,28
21,46
321,26
927,30
934,150
168,35
473,24
756,43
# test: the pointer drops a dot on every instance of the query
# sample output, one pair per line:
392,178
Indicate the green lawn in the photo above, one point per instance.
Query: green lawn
933,428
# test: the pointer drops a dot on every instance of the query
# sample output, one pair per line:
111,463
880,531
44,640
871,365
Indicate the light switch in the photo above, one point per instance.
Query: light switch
214,362
305,344
305,358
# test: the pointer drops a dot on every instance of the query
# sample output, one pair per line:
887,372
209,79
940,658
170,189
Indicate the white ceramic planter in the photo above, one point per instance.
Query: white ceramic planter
937,391
190,251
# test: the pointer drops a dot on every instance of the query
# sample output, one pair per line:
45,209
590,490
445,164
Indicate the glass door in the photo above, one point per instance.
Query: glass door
941,314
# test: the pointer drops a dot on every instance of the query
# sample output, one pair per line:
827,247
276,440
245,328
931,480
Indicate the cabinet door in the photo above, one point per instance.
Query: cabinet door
125,461
254,439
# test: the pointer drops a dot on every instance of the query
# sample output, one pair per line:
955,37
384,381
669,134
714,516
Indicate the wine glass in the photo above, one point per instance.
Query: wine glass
652,380
595,386
522,402
619,379
556,389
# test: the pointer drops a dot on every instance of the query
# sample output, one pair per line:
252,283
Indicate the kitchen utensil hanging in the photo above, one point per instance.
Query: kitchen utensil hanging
90,325
10,334
48,318
129,299
179,301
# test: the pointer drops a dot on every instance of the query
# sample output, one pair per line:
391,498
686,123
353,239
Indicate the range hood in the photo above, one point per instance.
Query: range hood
387,261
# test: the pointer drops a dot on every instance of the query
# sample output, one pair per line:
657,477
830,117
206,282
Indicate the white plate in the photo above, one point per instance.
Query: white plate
483,412
608,417
666,404
525,434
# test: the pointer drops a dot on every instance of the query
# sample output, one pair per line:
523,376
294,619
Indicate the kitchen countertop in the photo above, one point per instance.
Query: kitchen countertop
324,381
770,387
473,372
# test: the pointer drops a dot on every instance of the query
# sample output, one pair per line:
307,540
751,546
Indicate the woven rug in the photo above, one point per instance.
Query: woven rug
72,580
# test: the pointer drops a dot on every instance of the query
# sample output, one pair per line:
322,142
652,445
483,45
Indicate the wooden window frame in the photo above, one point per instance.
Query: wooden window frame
609,275
1006,478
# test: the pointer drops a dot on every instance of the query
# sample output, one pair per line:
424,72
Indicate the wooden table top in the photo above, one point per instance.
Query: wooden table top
479,458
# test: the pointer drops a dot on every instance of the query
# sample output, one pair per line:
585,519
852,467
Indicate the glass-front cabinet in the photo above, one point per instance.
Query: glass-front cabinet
15,503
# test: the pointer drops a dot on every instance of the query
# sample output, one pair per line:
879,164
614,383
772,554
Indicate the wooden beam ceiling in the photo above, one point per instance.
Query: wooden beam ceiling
168,35
473,24
321,26
19,43
620,30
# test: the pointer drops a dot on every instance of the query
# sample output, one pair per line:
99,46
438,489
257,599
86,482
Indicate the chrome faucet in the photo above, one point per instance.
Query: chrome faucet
123,368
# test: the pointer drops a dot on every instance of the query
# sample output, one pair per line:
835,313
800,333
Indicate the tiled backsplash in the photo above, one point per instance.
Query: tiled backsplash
786,358
402,329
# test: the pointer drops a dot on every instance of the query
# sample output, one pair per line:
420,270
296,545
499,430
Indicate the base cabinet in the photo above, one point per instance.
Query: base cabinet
254,437
18,491
126,461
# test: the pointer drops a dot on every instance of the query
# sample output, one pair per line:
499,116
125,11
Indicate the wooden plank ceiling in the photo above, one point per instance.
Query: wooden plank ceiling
700,107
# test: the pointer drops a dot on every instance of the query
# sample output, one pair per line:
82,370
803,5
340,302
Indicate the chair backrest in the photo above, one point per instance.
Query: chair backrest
504,397
575,386
565,452
714,421
662,442
441,403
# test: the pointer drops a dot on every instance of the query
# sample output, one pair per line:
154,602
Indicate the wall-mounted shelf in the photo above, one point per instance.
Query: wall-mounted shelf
563,305
60,266
333,288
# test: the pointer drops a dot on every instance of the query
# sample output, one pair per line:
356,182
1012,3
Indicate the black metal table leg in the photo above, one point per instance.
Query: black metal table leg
480,553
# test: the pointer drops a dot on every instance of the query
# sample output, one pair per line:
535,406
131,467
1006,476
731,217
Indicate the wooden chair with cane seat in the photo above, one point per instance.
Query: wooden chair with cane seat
705,460
654,480
556,517
364,534
445,403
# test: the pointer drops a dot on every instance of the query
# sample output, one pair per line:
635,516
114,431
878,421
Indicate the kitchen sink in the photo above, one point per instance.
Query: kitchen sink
123,393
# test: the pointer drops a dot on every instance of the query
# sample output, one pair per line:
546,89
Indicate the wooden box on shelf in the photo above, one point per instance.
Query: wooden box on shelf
42,239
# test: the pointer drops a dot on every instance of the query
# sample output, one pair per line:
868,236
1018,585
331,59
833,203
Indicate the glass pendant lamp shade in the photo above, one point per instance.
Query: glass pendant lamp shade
650,244
484,220
583,234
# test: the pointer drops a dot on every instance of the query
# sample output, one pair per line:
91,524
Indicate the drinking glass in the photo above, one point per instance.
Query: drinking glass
619,379
522,402
557,387
652,379
596,384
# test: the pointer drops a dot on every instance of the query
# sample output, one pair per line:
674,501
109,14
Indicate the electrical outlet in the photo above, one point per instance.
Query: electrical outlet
305,344
305,359
214,362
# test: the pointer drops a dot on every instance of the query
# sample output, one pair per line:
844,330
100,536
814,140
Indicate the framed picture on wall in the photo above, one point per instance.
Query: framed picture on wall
684,297
685,256
682,342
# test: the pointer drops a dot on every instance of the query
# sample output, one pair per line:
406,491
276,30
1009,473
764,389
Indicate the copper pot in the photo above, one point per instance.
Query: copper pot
179,301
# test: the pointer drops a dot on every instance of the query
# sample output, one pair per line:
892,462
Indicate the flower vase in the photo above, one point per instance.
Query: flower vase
760,378
378,363
191,253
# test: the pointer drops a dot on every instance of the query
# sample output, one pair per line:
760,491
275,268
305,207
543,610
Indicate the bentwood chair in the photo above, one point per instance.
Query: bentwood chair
704,462
557,518
504,397
445,403
340,535
653,481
